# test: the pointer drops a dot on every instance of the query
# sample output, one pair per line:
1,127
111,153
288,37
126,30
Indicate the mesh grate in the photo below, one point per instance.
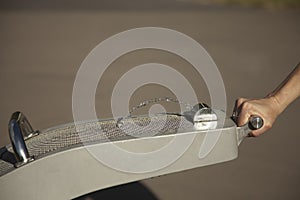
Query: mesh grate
67,136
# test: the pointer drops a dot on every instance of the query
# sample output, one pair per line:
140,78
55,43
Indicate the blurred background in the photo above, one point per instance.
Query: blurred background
255,44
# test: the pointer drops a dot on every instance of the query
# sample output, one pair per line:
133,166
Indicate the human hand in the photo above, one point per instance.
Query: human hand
267,108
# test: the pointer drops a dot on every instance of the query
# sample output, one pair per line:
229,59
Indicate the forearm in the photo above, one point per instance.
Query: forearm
288,90
270,107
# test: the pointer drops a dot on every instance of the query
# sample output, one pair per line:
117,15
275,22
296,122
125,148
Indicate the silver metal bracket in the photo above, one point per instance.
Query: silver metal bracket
254,123
202,116
19,127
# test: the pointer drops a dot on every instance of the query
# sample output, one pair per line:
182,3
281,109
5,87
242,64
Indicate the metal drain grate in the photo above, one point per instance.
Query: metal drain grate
67,136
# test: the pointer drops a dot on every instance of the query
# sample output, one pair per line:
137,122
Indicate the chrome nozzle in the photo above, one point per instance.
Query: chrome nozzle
19,127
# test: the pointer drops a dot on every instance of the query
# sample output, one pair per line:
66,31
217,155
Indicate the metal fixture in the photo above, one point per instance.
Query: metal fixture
19,127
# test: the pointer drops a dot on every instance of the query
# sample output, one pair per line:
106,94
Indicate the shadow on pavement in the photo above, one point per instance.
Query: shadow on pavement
132,191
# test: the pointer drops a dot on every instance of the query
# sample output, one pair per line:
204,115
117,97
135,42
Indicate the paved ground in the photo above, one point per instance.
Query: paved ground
42,49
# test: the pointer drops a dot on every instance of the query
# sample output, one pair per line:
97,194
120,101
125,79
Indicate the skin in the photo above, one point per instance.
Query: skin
270,107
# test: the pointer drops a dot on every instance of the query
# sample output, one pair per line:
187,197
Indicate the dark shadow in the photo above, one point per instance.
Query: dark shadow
7,156
130,191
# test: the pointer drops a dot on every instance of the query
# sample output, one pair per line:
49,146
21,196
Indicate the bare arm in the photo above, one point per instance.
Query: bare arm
288,90
272,105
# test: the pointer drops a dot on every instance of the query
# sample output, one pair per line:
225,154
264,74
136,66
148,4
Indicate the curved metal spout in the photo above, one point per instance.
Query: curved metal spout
17,127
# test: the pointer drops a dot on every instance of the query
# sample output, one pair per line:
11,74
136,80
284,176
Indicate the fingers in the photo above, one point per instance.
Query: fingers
236,111
238,103
267,125
237,108
244,113
243,110
264,108
258,132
